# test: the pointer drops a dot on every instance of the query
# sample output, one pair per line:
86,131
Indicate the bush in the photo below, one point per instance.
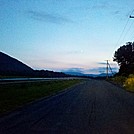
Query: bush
129,83
119,79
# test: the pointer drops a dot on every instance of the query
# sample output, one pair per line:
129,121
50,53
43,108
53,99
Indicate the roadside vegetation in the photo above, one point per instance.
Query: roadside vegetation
15,95
129,83
126,82
124,56
119,80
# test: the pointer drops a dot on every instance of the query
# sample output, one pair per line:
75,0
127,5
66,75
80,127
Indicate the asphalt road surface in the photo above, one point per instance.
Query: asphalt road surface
92,107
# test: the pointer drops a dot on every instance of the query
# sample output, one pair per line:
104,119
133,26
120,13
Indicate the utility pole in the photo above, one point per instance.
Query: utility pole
133,42
107,70
108,67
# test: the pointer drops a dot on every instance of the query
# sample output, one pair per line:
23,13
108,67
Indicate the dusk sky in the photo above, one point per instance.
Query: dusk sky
65,35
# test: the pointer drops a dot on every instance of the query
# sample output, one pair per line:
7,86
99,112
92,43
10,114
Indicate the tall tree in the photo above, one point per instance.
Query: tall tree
124,56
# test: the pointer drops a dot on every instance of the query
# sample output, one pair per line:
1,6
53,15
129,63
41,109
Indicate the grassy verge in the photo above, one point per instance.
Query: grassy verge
14,95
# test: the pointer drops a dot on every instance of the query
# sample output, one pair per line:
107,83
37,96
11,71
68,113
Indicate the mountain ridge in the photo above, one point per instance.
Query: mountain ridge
10,66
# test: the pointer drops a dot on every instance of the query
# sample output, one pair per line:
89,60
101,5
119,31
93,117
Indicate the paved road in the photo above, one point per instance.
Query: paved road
92,107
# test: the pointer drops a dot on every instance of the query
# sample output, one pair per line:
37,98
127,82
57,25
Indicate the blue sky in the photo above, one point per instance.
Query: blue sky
63,35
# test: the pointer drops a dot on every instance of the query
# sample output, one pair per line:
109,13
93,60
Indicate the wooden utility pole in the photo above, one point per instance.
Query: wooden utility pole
108,67
107,70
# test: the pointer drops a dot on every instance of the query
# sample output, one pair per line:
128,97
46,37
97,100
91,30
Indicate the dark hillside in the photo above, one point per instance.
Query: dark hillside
11,66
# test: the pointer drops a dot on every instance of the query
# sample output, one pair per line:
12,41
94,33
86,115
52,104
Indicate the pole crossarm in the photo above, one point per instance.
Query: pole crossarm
131,16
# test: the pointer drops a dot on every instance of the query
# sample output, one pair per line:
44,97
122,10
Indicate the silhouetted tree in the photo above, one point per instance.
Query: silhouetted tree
124,56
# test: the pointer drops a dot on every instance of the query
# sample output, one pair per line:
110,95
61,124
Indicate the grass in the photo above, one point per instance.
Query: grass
15,95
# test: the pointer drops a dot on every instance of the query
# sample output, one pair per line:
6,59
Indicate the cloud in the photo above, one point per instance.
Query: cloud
111,8
102,5
74,70
105,63
74,52
98,70
102,63
43,16
102,70
116,12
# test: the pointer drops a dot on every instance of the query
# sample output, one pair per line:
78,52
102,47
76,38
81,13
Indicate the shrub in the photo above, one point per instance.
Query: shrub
129,83
119,79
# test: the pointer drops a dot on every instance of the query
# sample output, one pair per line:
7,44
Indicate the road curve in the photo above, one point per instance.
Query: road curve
92,107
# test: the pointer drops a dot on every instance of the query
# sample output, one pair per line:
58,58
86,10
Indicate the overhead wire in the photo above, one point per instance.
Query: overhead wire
121,35
129,29
132,37
124,32
125,28
123,38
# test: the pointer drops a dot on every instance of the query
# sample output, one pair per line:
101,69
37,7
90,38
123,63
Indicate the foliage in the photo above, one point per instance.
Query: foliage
119,79
129,83
124,56
126,82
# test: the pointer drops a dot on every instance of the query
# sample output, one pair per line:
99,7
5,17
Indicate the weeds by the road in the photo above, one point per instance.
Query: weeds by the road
119,80
14,95
126,82
129,83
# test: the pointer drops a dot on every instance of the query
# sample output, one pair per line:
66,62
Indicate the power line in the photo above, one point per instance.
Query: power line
110,69
124,32
122,36
125,28
127,31
132,18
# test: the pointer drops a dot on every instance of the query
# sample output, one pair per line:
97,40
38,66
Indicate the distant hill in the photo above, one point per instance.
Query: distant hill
74,73
88,75
10,66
